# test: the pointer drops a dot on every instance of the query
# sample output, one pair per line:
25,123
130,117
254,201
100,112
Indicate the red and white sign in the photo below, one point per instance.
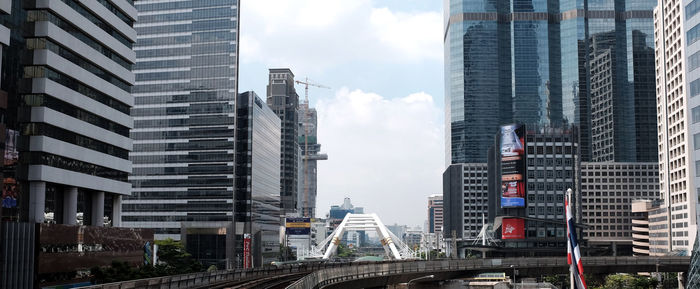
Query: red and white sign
246,252
513,228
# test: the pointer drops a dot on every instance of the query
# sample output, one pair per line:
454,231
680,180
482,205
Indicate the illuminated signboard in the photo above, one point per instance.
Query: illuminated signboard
513,166
513,228
298,226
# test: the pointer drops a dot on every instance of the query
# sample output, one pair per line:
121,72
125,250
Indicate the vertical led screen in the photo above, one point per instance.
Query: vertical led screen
513,166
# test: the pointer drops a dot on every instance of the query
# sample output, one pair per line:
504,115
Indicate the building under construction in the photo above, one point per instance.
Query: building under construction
311,153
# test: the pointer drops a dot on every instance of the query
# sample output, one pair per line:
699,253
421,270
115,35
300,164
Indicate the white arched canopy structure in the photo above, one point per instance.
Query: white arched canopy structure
393,246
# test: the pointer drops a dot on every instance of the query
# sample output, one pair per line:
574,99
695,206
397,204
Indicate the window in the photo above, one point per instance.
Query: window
694,60
693,35
697,168
691,9
696,141
696,114
694,87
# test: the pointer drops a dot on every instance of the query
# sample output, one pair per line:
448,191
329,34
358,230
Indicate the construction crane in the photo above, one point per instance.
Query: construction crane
306,126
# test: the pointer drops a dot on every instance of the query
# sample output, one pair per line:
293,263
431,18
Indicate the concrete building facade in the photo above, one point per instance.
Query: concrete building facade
465,198
608,191
676,31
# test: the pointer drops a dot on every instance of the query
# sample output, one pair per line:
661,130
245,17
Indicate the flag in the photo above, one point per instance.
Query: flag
572,248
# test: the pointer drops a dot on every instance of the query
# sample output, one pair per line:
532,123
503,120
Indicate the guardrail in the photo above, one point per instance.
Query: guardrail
325,277
323,274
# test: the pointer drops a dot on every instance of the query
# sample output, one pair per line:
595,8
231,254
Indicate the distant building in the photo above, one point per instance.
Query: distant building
607,194
336,216
435,218
256,195
311,154
283,99
413,238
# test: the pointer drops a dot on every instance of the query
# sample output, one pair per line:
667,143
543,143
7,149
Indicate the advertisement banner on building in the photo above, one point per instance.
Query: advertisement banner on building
513,166
247,257
298,226
513,228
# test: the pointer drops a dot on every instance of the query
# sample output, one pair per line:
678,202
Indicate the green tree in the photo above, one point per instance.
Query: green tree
173,254
624,281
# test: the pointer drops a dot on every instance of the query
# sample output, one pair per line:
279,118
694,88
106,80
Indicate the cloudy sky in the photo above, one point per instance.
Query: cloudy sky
381,123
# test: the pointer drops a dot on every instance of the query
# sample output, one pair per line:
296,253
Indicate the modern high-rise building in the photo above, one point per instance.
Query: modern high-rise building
66,95
257,193
550,63
186,87
284,101
676,31
310,155
435,217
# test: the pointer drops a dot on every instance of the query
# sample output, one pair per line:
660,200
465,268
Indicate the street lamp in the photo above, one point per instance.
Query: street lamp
408,286
513,266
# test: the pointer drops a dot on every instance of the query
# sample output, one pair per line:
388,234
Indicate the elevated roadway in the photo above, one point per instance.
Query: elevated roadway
377,274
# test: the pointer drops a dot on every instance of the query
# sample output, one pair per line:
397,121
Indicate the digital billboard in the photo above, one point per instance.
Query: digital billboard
513,166
513,228
298,226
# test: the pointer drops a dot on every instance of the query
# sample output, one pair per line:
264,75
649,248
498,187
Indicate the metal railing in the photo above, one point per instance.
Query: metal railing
322,274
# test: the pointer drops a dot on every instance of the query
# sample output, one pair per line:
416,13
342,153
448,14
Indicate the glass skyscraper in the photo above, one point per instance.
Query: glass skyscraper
551,63
186,85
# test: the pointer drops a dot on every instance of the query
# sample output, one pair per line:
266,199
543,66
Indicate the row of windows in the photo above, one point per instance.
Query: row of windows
208,181
98,22
41,43
35,158
180,122
190,206
204,24
73,111
195,132
186,146
62,79
194,218
43,15
222,193
43,129
117,11
189,170
202,13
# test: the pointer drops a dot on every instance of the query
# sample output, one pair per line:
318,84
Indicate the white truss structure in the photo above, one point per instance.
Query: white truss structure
393,246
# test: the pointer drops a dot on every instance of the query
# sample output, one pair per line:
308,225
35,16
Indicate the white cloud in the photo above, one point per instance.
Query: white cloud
385,154
312,35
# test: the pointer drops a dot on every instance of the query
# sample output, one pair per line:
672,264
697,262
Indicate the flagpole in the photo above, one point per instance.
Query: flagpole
568,240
